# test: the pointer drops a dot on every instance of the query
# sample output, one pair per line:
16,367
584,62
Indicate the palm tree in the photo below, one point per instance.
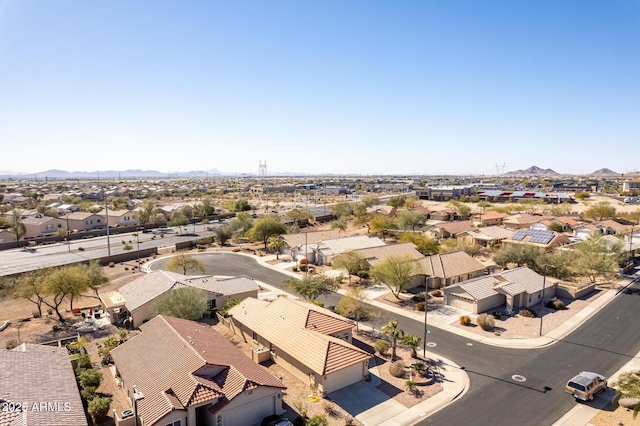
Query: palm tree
419,367
413,342
391,329
275,244
628,386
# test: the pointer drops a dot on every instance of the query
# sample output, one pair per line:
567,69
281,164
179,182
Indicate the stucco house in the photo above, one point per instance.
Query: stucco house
43,227
312,343
450,268
118,217
188,375
515,288
83,221
546,240
486,236
295,242
521,221
34,375
138,299
488,218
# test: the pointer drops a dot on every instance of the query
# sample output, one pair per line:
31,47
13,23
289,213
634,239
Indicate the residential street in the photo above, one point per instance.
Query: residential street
604,343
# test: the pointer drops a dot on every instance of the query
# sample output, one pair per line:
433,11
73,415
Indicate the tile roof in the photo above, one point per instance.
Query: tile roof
297,328
511,282
178,363
376,255
450,264
490,233
294,240
150,286
342,245
567,220
36,374
457,227
523,218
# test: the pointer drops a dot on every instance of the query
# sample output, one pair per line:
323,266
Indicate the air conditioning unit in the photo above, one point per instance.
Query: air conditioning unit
260,355
127,414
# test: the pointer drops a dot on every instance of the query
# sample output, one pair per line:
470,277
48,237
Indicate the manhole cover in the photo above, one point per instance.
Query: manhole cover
431,344
519,378
469,344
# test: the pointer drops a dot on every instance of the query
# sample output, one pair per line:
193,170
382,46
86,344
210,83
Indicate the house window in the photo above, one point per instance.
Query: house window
254,336
272,348
212,303
176,423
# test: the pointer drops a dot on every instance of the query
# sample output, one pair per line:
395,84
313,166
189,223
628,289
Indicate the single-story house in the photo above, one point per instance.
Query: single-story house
323,252
449,268
41,379
515,288
375,255
312,343
294,242
488,218
583,231
138,299
546,240
611,227
567,221
382,209
521,221
453,229
184,373
486,236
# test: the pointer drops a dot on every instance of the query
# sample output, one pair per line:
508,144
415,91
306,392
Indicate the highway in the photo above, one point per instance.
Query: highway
15,261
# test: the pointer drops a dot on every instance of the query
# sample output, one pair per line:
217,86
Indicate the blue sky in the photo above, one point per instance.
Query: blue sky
370,87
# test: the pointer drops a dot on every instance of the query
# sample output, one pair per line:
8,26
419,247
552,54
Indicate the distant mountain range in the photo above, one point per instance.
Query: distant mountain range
533,171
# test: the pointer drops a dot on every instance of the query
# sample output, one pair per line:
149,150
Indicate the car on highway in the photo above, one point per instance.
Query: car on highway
586,385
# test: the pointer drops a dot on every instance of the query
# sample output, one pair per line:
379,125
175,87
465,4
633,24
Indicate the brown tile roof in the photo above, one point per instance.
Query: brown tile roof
523,218
455,228
450,264
617,227
293,327
567,221
177,363
35,374
490,215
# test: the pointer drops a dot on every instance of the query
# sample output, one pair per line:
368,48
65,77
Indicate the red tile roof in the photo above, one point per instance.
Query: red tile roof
177,363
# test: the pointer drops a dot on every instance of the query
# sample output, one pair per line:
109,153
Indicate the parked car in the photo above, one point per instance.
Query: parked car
586,385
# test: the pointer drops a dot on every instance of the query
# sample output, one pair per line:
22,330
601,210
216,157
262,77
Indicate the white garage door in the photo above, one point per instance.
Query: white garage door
344,377
460,302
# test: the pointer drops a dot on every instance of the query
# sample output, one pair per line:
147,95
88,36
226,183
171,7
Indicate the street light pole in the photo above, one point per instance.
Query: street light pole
66,216
544,282
426,308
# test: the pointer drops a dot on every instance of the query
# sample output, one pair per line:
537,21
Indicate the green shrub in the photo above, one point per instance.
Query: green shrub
88,393
527,313
11,344
465,319
316,302
295,268
420,306
486,322
318,420
303,267
363,274
382,347
84,362
497,314
99,407
410,386
397,369
418,298
90,377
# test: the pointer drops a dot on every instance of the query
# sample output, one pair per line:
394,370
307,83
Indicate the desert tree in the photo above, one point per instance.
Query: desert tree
185,302
185,263
395,272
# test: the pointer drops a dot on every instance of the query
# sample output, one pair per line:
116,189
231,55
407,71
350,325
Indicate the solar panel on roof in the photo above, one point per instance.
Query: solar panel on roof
541,237
519,235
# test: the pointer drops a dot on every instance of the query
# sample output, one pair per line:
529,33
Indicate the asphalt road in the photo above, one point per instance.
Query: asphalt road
15,261
495,397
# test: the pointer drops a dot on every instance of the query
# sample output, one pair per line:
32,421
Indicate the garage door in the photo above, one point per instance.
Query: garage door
460,302
345,377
